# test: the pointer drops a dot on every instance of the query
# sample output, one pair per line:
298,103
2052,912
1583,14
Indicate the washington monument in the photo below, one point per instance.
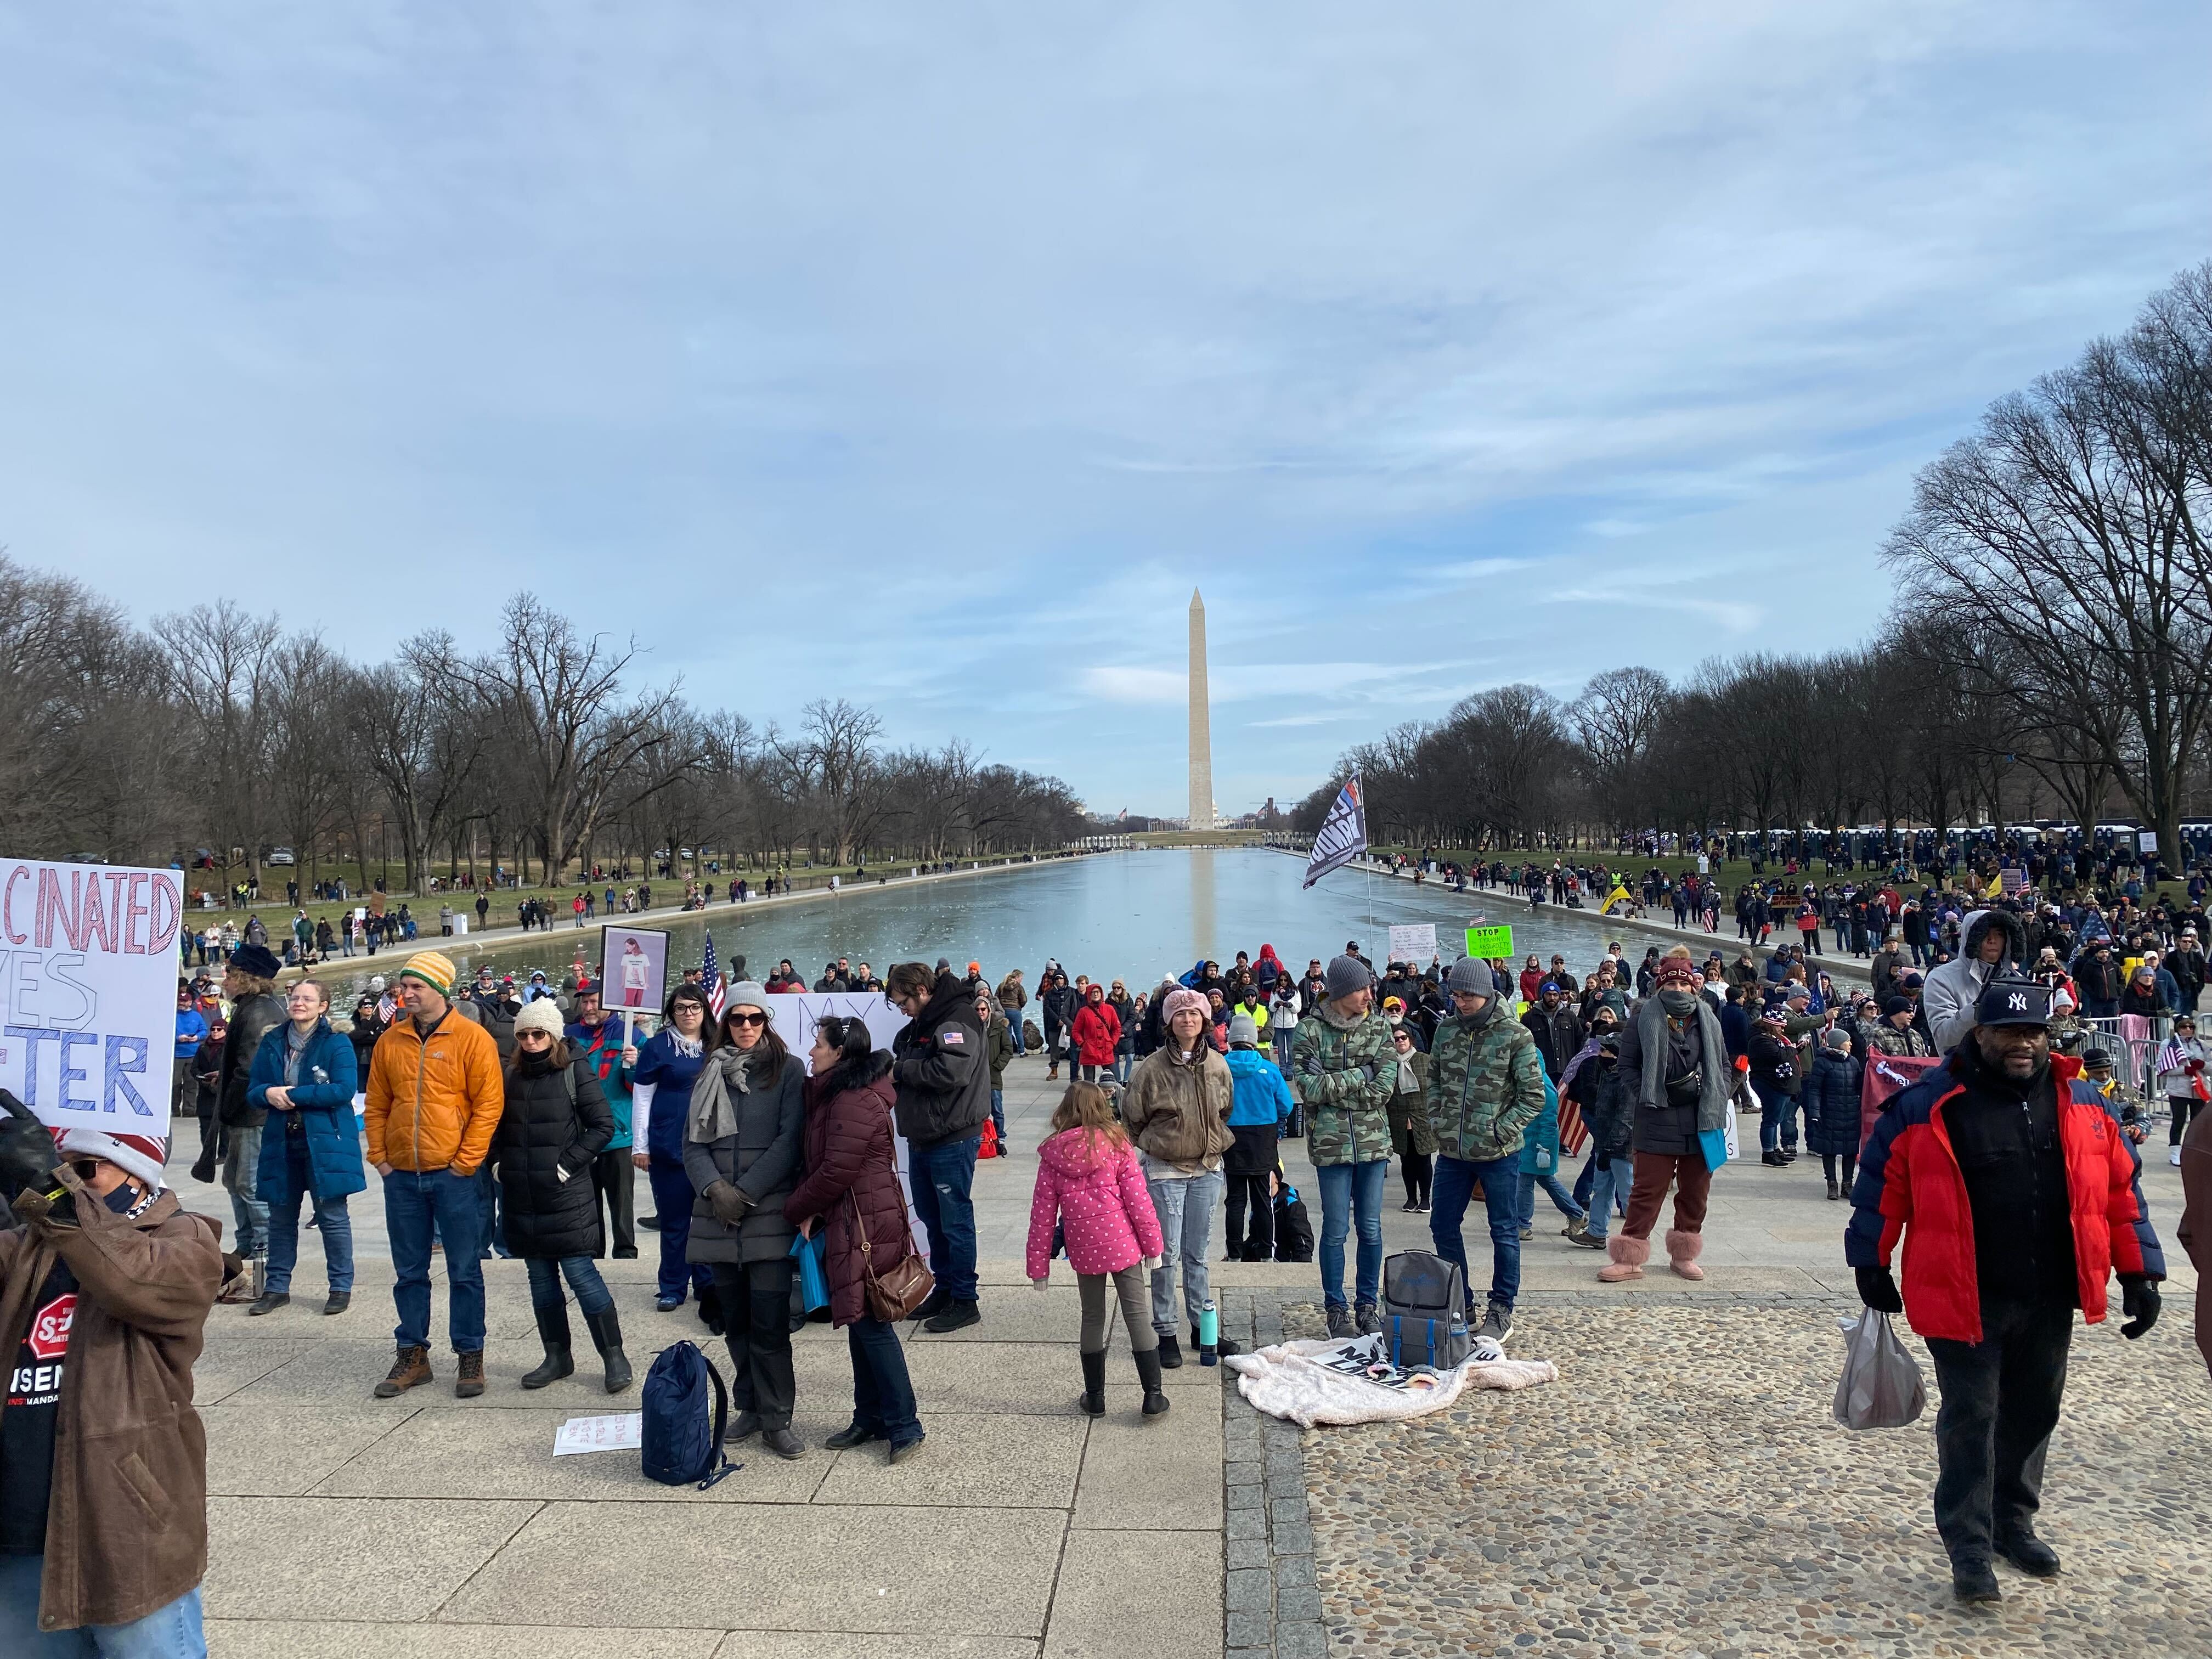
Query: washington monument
1201,723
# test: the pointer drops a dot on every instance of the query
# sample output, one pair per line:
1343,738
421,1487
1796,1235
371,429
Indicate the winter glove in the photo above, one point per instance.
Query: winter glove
2139,1301
28,1153
728,1204
1879,1290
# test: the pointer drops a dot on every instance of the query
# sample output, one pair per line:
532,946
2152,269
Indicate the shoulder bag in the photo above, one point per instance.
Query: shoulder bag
893,1296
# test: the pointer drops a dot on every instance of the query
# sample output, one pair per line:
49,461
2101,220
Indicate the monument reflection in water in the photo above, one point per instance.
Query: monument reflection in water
1127,915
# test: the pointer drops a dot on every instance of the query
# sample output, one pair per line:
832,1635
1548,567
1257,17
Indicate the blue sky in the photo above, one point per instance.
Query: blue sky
930,355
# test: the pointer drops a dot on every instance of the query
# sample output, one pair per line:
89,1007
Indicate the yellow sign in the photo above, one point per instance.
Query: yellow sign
1490,943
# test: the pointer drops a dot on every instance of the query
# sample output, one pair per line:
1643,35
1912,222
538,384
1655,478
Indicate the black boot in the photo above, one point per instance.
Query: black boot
1094,1384
606,1327
553,1331
710,1309
1148,1373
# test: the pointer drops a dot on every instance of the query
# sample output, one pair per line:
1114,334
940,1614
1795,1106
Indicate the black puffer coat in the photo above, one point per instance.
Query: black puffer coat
543,1137
252,1018
762,1161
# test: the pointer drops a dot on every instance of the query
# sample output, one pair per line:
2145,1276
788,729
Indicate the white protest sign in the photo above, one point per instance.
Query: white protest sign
1413,942
623,1431
89,992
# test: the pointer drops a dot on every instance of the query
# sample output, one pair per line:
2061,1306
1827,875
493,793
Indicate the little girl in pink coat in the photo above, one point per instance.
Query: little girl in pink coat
1088,1178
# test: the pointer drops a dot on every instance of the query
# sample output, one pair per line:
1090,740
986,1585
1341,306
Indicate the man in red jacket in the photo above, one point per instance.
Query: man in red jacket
2022,1196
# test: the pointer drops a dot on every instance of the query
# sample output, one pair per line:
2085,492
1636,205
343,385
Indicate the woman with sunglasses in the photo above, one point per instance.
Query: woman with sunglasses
668,1066
555,1124
742,1141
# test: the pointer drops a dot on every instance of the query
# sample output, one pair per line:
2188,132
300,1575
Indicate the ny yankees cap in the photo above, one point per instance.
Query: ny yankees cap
2013,1002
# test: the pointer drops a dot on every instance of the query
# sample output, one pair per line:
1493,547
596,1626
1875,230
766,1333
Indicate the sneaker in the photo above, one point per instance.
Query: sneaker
2174,1157
1773,1160
1367,1319
1496,1323
1587,1239
1576,1228
932,1304
667,1303
1340,1323
957,1317
1527,1233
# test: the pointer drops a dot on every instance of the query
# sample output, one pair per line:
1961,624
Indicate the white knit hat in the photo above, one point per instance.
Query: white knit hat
543,1015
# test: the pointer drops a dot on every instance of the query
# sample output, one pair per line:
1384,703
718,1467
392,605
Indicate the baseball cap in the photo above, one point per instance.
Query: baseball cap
2011,1001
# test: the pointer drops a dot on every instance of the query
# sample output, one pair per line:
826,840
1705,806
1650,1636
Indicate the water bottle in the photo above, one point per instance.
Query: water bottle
1209,1334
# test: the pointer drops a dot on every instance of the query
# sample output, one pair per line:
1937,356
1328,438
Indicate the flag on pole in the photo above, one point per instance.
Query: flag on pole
710,975
1343,834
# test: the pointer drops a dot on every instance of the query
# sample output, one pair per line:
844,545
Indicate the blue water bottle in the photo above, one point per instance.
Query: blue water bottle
1209,1334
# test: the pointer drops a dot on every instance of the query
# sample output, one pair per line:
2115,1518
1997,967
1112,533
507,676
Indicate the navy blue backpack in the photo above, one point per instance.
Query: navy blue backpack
682,1439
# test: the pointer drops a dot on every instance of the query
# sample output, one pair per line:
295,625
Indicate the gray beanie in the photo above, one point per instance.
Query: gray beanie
1244,1028
748,994
1347,977
1470,977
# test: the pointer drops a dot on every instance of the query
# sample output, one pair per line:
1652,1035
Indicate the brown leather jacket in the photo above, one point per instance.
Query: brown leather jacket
2197,1222
126,1525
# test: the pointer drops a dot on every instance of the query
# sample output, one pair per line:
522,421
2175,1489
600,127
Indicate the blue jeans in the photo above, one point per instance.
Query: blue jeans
1349,1191
999,1117
882,1395
1607,1188
488,1209
1014,1029
1778,1118
331,1221
1499,1181
546,1273
943,1177
1185,1208
1124,1063
672,1197
168,1632
1525,1205
413,1201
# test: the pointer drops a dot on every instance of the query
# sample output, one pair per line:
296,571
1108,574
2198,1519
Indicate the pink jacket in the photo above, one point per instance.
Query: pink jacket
1100,1191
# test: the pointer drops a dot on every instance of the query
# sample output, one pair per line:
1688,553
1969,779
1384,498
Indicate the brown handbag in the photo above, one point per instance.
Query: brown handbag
896,1294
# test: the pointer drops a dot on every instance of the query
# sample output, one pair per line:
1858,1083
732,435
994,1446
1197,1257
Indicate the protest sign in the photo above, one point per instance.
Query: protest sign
622,1431
1490,943
1413,942
633,968
89,992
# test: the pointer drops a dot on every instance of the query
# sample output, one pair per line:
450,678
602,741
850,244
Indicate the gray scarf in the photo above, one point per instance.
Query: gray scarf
713,1115
1654,1035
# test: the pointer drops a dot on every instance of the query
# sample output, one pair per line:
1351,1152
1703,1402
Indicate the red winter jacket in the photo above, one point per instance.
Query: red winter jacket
849,1151
1098,1185
1911,1172
1098,1034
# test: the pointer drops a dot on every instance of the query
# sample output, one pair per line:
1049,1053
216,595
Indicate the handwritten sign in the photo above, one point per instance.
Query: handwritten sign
623,1431
1490,943
88,969
1413,942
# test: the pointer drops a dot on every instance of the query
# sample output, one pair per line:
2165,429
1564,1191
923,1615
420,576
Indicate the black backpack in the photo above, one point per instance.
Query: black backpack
1424,1311
680,1438
1294,1233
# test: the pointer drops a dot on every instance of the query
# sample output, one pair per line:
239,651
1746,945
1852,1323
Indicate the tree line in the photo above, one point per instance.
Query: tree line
2048,653
215,730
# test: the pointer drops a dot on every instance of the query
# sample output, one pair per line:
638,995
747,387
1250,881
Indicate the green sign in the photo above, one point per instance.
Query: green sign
1490,943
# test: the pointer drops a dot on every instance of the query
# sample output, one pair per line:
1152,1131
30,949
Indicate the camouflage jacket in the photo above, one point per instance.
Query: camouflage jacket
1347,1108
1485,1086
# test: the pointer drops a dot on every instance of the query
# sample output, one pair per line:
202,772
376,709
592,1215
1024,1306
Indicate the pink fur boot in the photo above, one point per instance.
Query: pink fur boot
1627,1256
1683,1250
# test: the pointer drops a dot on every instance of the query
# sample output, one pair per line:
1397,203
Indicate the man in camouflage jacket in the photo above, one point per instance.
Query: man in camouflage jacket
1485,1086
1343,1071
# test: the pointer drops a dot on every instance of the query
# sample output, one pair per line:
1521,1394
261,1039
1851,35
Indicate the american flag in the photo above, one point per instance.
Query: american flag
710,974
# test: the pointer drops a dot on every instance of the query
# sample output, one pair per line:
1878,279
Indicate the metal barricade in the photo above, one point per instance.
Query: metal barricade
2134,1059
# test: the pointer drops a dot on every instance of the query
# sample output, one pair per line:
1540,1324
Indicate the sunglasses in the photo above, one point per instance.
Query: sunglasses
746,1019
535,1037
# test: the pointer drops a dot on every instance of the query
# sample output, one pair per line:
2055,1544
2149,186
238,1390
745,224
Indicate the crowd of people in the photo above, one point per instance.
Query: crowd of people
511,1119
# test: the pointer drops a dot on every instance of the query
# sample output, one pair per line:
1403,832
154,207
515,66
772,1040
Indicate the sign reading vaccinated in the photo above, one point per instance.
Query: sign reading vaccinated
88,987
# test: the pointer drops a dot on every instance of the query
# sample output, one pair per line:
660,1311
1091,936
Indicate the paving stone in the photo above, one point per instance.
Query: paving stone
309,1557
1249,1630
1305,1639
1249,1590
1294,1572
1246,1552
1095,1615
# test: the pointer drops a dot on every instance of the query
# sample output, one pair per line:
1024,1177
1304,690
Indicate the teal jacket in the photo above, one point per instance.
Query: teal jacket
322,1108
600,1048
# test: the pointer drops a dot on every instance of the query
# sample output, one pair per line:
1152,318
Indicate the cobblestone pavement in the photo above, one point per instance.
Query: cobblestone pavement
1682,1490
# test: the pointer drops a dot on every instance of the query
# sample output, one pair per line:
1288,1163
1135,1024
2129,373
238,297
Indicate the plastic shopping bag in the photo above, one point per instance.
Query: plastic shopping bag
813,1282
1881,1387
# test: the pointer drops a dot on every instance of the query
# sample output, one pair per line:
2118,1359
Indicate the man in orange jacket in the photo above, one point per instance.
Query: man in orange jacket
434,1099
2019,1196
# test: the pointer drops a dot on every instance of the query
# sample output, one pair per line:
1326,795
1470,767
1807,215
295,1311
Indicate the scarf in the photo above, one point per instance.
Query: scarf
713,1115
1655,1035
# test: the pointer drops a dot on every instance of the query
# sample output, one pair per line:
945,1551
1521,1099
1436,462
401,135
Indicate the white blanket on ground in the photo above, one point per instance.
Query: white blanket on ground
1297,1381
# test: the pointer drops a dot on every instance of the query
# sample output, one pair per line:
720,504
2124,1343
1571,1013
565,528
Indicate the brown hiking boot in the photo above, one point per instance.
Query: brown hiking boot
469,1383
413,1366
